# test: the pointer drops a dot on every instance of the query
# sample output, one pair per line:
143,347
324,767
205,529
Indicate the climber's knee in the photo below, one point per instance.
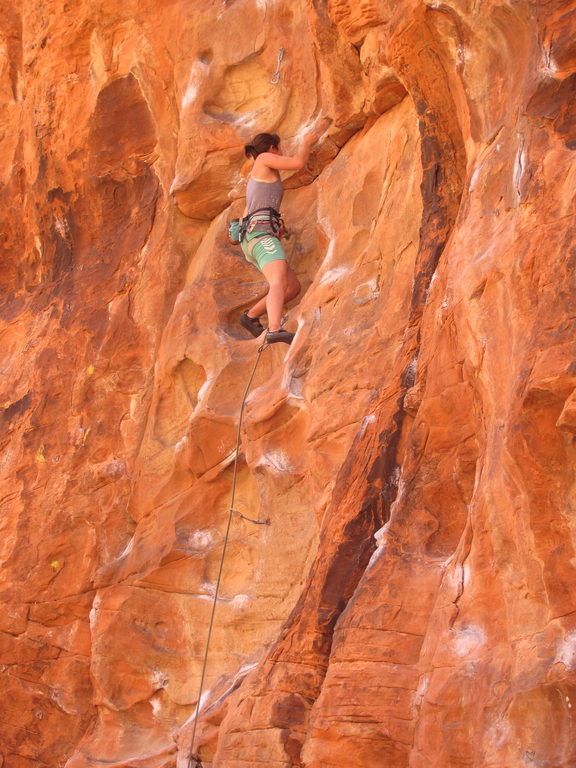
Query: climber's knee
293,286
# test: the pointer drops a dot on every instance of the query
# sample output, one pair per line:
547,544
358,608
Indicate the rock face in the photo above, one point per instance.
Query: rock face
413,601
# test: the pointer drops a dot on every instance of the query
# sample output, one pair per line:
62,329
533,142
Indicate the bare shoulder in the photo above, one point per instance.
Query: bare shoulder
274,162
264,159
265,166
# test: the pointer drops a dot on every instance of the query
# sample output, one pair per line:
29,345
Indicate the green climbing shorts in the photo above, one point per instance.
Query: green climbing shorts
261,248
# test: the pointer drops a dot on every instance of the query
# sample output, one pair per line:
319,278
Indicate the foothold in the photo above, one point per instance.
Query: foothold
90,370
40,458
55,564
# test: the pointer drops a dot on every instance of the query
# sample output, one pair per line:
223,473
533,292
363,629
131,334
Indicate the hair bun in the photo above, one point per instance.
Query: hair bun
261,143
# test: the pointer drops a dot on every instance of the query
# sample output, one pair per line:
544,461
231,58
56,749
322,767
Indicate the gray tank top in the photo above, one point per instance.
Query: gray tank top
263,194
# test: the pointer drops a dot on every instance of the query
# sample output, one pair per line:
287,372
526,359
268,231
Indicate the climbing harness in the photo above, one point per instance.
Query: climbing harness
194,760
253,229
275,79
265,220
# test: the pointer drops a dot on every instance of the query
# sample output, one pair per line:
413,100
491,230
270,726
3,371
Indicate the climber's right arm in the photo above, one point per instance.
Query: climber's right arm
289,162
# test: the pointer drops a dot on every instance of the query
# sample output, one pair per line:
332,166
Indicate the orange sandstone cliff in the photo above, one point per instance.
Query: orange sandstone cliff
413,601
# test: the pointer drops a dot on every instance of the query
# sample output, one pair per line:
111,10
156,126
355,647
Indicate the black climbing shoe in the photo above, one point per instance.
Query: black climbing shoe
273,336
252,324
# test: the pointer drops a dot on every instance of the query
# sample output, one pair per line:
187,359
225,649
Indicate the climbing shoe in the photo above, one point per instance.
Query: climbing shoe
252,324
273,336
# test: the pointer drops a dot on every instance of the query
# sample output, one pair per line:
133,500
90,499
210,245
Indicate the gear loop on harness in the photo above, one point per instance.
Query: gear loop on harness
255,220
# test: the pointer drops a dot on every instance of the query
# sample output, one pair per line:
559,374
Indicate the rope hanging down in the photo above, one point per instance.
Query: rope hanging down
194,760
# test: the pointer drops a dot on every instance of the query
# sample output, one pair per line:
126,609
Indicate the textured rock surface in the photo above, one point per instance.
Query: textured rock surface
413,602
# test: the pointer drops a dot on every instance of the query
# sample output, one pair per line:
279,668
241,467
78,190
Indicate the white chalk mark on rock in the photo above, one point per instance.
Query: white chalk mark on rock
567,651
468,639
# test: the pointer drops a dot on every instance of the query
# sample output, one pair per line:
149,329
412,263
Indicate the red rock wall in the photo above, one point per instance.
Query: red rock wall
413,602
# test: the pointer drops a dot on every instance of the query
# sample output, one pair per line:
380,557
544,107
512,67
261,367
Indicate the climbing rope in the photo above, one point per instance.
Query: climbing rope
275,79
194,760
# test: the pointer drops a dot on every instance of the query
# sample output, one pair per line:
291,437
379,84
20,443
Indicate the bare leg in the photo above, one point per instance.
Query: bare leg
276,273
259,308
291,290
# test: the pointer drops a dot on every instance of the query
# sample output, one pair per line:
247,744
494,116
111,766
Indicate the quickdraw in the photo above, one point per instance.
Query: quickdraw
275,79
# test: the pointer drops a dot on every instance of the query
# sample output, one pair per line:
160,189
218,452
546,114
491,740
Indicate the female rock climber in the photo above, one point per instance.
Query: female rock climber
260,230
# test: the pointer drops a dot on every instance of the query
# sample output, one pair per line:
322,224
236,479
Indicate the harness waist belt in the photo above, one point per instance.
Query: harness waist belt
264,220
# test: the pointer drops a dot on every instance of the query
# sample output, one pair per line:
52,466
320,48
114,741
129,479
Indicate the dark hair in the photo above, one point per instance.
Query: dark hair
261,143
